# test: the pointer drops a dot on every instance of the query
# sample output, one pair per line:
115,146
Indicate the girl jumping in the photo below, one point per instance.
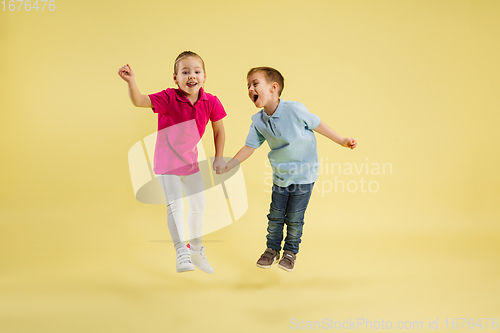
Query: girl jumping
183,114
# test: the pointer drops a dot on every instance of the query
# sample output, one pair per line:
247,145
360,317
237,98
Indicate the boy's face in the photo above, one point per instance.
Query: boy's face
190,75
260,91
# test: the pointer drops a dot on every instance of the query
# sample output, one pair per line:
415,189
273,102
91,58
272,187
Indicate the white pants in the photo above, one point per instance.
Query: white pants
172,187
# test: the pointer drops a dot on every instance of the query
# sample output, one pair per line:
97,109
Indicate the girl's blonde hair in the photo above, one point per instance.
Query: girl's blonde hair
186,54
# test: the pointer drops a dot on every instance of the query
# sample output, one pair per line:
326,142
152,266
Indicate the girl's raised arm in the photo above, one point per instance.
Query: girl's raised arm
127,74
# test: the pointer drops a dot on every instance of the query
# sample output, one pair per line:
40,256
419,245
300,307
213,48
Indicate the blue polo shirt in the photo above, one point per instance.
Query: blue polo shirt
294,153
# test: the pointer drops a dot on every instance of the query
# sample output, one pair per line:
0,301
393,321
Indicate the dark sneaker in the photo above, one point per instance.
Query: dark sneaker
287,262
268,258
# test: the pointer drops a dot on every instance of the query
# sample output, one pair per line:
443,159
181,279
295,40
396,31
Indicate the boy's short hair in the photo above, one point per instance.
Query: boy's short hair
186,54
272,75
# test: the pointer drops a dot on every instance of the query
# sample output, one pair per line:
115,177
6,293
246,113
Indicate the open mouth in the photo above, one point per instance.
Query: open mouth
191,84
255,97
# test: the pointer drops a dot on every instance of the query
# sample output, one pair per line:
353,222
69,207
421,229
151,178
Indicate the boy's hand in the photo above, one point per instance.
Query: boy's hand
219,165
349,143
126,73
226,169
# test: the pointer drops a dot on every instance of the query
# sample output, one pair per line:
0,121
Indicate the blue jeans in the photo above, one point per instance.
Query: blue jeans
288,206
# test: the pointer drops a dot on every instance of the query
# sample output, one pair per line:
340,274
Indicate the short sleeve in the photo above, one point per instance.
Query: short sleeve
310,120
254,139
218,111
160,101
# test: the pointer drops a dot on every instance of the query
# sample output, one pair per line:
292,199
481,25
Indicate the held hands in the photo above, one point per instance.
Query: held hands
126,73
229,165
219,165
226,169
349,143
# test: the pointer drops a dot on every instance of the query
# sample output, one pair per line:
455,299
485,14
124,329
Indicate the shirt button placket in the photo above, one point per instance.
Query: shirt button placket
271,126
274,128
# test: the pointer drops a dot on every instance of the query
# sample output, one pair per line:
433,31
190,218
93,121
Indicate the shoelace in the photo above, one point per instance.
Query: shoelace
201,251
184,257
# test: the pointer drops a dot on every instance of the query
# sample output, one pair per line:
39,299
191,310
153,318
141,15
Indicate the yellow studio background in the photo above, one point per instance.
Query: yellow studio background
416,83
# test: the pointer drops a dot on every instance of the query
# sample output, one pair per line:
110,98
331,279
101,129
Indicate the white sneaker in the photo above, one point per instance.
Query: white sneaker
200,260
184,262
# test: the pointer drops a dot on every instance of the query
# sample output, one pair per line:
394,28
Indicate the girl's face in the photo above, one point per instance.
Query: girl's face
190,75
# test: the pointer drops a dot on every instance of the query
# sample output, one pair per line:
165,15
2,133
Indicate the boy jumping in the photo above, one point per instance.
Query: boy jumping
288,129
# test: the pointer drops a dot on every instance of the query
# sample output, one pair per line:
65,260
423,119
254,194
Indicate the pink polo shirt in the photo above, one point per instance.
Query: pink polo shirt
180,127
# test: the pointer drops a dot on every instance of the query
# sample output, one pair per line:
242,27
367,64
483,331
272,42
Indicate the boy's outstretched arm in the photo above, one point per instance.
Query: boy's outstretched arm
325,130
242,155
219,139
127,74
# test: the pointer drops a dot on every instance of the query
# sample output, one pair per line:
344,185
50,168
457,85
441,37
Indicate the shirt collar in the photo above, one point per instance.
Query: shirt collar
181,97
276,113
